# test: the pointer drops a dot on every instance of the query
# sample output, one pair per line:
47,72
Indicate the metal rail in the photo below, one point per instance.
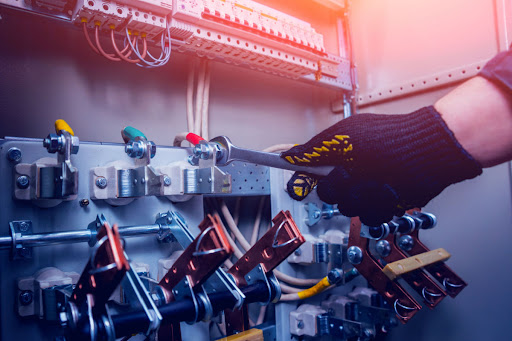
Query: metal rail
77,236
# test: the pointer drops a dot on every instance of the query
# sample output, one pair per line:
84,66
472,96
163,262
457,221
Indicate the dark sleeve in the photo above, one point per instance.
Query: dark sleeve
499,70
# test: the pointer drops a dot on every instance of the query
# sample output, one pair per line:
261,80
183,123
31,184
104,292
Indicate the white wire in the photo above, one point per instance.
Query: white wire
178,139
190,98
199,99
246,246
279,148
288,289
257,221
205,104
261,316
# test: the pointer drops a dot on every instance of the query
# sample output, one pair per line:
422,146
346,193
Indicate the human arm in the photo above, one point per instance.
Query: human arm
390,163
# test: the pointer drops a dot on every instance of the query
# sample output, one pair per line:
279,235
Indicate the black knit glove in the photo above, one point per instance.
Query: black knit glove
385,164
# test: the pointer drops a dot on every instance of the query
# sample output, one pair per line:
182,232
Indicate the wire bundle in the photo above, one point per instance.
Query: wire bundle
197,113
133,43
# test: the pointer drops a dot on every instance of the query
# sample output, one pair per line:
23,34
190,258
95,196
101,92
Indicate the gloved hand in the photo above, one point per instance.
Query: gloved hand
385,164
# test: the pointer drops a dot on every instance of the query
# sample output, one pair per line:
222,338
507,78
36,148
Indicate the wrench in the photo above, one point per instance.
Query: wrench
229,152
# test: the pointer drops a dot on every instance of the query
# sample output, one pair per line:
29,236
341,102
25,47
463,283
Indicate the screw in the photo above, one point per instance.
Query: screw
143,180
300,324
14,155
169,219
341,329
355,255
406,243
84,202
167,180
298,252
24,252
383,248
22,182
23,227
209,179
26,297
316,215
101,182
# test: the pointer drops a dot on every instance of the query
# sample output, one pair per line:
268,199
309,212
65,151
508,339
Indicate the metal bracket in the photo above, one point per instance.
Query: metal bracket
200,259
315,213
20,228
209,180
144,300
174,227
431,292
404,305
339,328
271,249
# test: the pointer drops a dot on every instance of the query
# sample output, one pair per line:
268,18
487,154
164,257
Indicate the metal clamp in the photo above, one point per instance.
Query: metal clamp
371,269
268,252
173,227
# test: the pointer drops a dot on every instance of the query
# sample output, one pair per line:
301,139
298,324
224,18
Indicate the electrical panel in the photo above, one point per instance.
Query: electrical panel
104,241
240,32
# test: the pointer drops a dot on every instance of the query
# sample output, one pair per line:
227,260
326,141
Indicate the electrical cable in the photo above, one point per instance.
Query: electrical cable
246,246
178,139
190,98
86,34
98,45
165,52
261,316
205,100
279,148
257,221
199,102
120,53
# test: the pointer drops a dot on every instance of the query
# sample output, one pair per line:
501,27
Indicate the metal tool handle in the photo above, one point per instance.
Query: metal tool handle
230,153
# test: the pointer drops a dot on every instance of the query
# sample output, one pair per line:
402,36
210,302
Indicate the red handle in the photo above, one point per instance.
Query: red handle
193,138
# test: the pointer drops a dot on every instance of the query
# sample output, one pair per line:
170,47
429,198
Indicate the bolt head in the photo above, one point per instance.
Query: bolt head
153,148
316,214
298,252
14,155
23,227
167,180
406,243
53,143
84,202
300,324
355,255
383,248
22,182
101,182
75,145
26,297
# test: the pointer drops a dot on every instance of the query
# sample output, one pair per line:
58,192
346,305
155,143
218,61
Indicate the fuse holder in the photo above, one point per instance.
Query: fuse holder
63,125
403,266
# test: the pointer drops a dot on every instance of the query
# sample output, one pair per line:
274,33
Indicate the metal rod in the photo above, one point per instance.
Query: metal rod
43,239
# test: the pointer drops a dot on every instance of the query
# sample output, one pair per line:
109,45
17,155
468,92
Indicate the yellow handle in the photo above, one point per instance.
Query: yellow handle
398,268
62,125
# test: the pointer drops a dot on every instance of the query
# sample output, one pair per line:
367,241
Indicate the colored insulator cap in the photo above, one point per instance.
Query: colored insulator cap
194,139
62,125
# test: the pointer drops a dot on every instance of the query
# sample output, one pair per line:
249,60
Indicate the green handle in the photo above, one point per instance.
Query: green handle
130,133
